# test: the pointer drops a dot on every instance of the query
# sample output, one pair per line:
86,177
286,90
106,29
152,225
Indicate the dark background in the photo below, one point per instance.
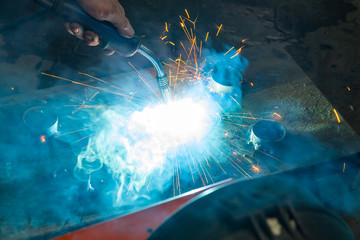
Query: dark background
322,37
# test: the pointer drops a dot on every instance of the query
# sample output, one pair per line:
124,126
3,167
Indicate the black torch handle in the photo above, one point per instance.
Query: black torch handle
110,38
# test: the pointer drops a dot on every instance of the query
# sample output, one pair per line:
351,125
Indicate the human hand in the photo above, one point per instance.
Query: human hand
102,10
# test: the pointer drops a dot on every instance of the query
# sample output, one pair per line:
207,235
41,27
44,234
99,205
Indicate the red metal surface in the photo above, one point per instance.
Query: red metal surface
136,225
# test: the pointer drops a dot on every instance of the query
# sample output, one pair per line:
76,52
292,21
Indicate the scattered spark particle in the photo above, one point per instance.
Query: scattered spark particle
170,43
207,35
244,40
143,36
226,134
348,88
72,132
187,14
235,100
142,78
219,28
12,88
229,50
255,168
83,84
277,116
251,84
166,27
182,24
238,52
93,96
336,115
276,107
43,139
344,168
235,153
162,38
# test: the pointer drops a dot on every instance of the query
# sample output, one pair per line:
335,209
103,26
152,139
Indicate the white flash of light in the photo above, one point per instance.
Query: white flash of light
174,123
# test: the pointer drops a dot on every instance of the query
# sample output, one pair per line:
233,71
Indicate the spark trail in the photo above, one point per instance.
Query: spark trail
147,146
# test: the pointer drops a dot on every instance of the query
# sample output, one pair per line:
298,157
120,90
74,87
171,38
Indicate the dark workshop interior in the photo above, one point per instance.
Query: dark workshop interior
253,133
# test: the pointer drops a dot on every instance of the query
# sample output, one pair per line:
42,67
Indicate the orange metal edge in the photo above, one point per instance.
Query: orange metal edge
138,225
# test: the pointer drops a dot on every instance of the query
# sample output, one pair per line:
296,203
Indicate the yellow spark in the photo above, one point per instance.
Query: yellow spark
143,36
43,139
12,88
185,29
238,52
187,14
83,84
277,116
337,115
207,35
200,48
88,75
344,168
255,168
85,137
73,100
244,117
178,67
184,48
229,50
348,88
235,101
244,40
170,77
142,78
219,28
217,162
170,43
243,172
166,27
72,132
162,38
233,149
93,96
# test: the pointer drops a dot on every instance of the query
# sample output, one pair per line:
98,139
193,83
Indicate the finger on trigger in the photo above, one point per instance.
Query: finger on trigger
119,20
68,29
124,27
78,30
109,52
91,38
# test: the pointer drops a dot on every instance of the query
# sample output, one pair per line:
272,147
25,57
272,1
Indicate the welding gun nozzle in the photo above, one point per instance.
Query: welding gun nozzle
161,78
164,87
163,82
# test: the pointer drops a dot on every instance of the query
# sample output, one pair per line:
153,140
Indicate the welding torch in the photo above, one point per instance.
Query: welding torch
110,39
